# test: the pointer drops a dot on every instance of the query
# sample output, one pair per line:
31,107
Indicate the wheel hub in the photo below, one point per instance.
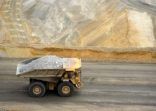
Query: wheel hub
37,90
66,89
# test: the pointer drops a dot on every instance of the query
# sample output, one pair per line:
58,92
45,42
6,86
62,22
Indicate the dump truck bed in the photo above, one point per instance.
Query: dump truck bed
47,66
43,73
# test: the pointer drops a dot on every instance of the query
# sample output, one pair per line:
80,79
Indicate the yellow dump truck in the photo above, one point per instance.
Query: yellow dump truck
50,73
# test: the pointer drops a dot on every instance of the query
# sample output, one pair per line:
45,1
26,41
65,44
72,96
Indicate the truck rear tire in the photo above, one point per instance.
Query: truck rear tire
37,89
65,89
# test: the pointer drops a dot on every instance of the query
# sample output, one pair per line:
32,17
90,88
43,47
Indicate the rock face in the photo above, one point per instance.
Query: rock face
82,24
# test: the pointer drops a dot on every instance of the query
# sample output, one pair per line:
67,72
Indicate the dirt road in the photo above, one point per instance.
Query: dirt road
107,87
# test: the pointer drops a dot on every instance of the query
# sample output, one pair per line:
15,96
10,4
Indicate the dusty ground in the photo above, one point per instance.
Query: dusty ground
94,35
106,87
146,55
129,56
116,25
140,55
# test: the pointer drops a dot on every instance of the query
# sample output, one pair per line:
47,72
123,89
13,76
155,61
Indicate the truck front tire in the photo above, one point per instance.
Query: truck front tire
37,89
65,89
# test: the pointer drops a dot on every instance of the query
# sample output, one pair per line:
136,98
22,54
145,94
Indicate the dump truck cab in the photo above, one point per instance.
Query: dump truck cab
51,73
